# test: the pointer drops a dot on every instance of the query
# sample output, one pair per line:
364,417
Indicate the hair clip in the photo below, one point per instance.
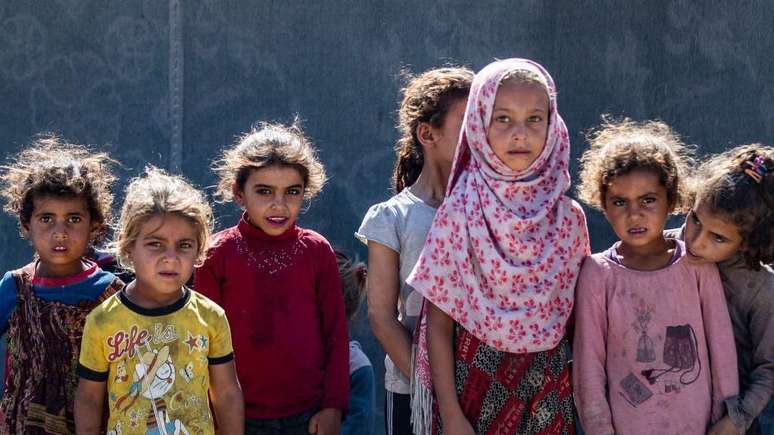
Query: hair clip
757,169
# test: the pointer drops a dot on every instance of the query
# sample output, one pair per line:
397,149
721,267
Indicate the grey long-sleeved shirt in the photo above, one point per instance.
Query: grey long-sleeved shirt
750,299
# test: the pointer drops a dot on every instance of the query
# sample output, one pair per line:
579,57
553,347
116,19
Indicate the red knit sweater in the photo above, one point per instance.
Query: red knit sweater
283,299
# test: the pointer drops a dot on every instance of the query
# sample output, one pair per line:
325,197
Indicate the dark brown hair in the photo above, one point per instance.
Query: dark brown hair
353,282
620,147
51,167
722,184
426,98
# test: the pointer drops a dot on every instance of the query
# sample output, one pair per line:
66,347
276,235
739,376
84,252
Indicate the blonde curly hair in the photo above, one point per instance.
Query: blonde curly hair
52,167
267,145
157,193
620,147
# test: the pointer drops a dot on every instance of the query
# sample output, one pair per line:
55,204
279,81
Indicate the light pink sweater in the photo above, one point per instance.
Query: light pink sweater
653,351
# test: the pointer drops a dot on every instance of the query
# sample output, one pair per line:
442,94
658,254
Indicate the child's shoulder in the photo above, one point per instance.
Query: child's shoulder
110,308
313,239
223,238
398,205
205,306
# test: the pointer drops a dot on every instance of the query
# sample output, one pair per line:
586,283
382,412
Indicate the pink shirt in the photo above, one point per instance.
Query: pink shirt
653,351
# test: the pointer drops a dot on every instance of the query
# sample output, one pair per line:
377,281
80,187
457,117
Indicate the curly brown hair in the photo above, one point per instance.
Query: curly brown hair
157,193
722,184
265,145
353,282
620,147
51,167
426,98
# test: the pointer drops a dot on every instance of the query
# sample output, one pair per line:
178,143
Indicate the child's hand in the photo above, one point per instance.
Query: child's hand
724,427
326,422
459,425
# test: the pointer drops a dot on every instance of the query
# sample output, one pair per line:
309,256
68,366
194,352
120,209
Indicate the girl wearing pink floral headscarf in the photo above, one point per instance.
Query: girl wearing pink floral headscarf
499,267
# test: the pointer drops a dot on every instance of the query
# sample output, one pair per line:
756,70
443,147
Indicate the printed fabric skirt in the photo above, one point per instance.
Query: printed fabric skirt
504,393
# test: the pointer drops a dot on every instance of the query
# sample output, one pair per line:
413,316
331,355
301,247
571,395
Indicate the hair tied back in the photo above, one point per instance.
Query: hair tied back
756,169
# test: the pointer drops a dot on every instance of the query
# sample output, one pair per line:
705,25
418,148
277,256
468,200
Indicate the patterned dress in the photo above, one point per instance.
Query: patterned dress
44,340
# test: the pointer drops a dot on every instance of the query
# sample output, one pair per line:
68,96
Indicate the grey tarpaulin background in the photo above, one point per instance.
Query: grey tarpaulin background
172,82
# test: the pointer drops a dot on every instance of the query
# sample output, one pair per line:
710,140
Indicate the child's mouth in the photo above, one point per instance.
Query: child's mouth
60,249
168,274
277,220
637,231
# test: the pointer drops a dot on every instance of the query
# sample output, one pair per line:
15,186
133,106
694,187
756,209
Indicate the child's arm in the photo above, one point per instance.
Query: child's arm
720,339
333,322
383,293
226,397
440,338
89,397
590,352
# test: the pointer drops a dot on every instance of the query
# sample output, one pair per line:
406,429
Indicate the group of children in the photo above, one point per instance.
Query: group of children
482,289
506,324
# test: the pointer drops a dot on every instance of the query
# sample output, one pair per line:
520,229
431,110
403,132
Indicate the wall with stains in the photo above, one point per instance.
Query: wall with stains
170,83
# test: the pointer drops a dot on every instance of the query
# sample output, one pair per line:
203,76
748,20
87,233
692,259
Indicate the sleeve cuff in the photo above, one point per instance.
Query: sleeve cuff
92,375
741,420
221,359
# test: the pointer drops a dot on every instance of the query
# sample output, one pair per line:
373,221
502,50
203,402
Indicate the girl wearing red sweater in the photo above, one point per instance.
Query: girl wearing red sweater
280,287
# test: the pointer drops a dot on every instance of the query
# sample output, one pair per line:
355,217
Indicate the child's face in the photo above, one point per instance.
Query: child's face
449,133
164,255
709,237
272,197
519,125
637,206
59,230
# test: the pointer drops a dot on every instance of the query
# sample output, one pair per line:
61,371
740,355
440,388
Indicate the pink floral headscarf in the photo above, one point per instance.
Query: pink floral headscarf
505,247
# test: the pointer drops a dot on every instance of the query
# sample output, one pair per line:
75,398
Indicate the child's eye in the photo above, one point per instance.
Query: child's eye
648,200
153,245
186,245
46,219
619,202
294,191
75,219
535,118
503,118
263,191
718,238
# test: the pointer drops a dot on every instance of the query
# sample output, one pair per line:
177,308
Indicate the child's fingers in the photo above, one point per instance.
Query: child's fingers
314,424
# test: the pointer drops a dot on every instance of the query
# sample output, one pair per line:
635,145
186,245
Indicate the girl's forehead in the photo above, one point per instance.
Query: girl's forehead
276,175
50,203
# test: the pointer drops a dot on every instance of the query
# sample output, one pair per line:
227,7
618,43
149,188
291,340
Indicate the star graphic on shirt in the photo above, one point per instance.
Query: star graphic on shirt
192,342
203,342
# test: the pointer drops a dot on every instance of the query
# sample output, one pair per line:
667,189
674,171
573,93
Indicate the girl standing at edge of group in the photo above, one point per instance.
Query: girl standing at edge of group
653,349
500,263
732,224
430,116
61,195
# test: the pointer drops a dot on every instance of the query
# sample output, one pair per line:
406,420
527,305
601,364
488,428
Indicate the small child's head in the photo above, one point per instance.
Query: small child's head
733,208
270,171
636,173
353,282
429,121
518,127
60,193
163,230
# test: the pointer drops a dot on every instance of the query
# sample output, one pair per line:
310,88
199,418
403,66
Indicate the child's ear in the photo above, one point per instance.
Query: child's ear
425,134
25,229
237,194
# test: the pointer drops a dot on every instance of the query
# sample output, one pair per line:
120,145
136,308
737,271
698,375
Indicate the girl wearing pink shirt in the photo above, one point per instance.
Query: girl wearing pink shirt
654,348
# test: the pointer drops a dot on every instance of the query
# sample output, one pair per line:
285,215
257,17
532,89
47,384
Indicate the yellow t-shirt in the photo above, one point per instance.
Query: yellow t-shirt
155,362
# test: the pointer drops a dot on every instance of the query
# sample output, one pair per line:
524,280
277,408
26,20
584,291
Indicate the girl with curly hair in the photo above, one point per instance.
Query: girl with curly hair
280,287
653,349
61,195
